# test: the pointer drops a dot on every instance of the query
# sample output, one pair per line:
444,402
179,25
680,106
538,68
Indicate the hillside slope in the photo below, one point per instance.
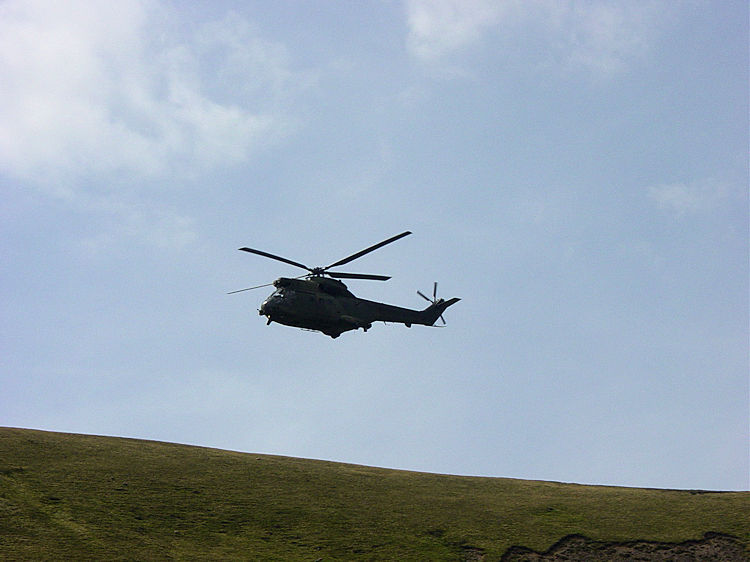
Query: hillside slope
87,497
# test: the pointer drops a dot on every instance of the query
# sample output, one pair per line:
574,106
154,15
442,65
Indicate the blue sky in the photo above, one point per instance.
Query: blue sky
575,172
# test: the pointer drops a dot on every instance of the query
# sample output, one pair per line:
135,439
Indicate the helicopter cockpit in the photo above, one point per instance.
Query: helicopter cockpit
275,301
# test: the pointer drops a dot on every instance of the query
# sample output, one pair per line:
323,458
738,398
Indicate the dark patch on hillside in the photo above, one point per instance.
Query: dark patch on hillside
713,546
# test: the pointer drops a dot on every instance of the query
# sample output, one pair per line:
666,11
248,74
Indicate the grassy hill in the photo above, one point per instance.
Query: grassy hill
82,497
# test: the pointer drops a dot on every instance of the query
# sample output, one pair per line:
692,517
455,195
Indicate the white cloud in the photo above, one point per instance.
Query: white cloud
599,37
89,88
98,99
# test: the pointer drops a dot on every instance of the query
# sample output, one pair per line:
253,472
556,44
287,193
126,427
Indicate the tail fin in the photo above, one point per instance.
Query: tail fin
436,309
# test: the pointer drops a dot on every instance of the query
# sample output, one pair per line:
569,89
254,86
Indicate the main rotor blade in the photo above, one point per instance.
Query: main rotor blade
279,258
368,250
339,275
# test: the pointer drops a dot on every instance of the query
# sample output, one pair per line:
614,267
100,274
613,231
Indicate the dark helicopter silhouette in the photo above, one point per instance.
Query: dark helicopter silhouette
319,301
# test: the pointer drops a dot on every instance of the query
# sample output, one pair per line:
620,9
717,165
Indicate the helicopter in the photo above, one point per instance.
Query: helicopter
318,301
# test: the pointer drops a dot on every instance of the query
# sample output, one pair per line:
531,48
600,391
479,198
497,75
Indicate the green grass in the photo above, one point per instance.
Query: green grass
68,496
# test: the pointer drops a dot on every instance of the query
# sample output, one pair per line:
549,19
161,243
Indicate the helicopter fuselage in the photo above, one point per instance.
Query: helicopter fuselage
326,305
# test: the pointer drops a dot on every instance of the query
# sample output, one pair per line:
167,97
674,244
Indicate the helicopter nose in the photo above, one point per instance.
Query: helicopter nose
265,308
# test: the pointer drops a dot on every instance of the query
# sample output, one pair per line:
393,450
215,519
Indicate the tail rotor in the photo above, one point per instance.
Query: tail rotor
434,299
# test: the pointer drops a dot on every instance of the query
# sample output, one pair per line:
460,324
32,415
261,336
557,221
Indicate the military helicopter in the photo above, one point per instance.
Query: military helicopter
318,301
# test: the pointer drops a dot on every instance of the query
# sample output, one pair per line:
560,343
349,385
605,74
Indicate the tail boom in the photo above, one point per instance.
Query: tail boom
427,317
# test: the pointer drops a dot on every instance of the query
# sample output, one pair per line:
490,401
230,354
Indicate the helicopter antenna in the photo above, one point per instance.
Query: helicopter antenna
258,286
249,288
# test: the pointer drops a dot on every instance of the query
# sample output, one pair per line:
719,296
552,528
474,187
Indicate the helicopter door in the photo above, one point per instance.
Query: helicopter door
329,305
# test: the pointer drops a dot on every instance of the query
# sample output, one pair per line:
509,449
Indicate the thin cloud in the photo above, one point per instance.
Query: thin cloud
691,197
438,28
600,37
149,225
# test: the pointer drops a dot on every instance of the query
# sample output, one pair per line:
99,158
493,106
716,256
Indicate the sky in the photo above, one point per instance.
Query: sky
575,172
